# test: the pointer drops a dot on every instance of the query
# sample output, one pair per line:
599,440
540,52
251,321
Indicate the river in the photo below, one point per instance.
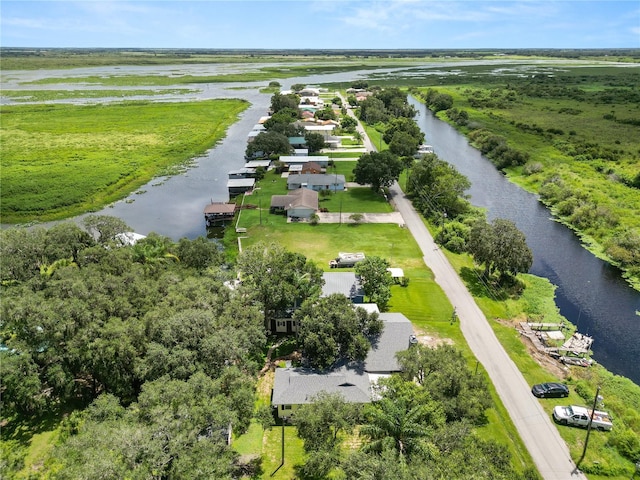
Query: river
590,293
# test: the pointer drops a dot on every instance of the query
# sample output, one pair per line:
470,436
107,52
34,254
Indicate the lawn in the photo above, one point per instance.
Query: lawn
62,160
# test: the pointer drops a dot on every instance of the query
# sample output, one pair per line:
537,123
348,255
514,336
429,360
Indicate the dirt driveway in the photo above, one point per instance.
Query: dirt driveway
393,217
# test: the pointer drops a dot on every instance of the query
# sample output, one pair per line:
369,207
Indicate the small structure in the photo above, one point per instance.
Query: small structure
257,164
300,152
297,142
219,212
423,150
128,239
243,173
317,182
396,273
324,130
236,186
310,168
300,203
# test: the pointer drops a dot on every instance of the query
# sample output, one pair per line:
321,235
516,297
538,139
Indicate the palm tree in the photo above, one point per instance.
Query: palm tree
394,422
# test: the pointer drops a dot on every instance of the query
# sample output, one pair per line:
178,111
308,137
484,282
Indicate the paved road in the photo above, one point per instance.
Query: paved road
538,432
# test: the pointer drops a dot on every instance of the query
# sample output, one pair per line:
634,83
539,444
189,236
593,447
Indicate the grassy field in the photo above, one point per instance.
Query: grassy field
63,160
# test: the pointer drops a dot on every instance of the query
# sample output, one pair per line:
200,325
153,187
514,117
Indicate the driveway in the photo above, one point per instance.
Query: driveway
393,217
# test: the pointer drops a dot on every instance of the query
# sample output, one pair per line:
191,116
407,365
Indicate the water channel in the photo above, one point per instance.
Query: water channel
589,293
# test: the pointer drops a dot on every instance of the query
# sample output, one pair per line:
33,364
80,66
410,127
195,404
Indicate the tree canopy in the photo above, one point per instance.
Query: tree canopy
375,279
331,329
268,143
500,247
380,169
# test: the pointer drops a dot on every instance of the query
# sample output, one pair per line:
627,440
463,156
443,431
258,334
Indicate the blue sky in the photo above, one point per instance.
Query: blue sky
309,24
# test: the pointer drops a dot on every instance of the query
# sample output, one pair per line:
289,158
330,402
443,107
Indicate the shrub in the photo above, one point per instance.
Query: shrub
627,443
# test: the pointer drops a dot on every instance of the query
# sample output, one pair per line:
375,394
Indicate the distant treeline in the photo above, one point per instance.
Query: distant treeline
386,53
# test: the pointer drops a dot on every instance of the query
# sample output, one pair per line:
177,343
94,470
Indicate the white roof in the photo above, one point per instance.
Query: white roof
241,182
302,159
319,128
396,272
129,238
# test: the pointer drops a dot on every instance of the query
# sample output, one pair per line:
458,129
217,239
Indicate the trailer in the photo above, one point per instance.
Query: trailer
345,260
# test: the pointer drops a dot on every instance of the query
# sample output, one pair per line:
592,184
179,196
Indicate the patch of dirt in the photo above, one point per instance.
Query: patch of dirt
430,340
547,362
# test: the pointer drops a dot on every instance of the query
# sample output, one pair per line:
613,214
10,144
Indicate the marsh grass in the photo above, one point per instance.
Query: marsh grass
49,95
63,160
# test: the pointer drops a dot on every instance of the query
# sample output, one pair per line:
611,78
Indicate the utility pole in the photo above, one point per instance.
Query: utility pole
586,442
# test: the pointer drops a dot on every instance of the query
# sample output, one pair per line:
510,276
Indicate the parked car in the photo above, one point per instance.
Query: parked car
550,390
580,416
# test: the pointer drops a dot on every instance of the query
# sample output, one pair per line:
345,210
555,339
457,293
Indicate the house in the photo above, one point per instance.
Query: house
317,182
287,160
311,167
324,130
346,283
237,186
300,203
298,386
219,212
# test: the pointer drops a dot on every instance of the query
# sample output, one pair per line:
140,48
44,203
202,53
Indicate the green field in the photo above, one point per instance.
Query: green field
64,160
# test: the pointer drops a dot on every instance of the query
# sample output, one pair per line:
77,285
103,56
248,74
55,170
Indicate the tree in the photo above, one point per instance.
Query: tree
444,374
403,145
437,187
279,102
372,110
397,423
331,330
348,123
380,169
315,142
404,125
277,278
267,144
500,247
320,422
376,279
105,228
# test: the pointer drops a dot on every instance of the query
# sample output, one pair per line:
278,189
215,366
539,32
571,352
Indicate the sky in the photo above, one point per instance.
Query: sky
324,24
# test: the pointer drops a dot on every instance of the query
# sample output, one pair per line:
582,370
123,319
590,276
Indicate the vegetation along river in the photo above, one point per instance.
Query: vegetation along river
590,293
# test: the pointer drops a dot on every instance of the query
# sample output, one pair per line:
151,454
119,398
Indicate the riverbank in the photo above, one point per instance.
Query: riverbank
564,145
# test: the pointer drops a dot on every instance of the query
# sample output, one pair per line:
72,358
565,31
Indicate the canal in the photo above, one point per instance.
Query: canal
590,293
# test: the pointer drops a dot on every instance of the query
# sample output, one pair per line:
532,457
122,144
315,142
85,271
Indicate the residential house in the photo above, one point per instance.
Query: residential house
300,203
258,163
317,182
287,160
297,142
354,381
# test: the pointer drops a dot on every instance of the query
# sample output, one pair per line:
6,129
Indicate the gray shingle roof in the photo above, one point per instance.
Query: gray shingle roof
297,386
393,339
341,282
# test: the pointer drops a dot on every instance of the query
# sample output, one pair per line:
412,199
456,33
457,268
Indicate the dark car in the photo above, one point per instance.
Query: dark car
549,390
